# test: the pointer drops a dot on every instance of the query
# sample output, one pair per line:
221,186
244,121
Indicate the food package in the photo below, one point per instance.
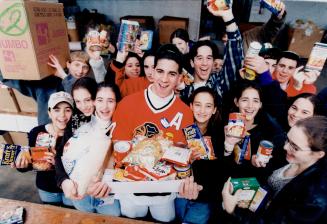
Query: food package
38,161
196,141
249,187
317,57
12,215
9,153
85,152
133,173
236,125
145,153
258,199
219,4
146,40
161,171
129,30
177,155
242,150
274,6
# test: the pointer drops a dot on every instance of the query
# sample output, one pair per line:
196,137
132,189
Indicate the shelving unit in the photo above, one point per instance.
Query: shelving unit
17,122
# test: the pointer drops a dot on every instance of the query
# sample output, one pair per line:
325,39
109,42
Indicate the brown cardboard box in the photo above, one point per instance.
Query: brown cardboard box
19,138
25,103
37,30
5,138
146,22
8,102
302,40
168,24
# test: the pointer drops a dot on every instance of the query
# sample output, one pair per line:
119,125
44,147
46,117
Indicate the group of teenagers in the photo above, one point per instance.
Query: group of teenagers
144,93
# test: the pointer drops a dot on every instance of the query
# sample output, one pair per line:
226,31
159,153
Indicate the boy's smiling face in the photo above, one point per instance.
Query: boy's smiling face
78,69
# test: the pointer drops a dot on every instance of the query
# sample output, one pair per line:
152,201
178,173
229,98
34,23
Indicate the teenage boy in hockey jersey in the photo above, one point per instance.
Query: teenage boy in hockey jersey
155,109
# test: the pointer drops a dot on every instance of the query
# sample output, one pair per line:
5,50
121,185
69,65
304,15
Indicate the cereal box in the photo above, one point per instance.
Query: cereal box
129,30
8,153
317,57
258,199
249,187
242,150
146,40
197,142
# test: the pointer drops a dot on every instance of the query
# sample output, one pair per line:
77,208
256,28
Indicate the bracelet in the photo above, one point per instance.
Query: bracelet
229,22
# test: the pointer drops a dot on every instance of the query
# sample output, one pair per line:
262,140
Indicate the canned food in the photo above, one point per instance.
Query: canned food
253,50
218,4
264,151
121,149
236,125
183,171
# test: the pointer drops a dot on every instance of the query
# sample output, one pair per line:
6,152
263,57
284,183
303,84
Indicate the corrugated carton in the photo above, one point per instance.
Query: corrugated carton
29,32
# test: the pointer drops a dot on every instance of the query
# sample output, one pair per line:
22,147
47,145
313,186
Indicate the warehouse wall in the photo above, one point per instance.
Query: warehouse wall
114,9
307,10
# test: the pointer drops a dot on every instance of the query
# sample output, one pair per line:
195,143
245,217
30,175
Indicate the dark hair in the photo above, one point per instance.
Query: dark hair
170,52
241,87
112,86
215,118
315,128
146,54
134,55
309,96
290,55
85,83
270,53
201,43
181,34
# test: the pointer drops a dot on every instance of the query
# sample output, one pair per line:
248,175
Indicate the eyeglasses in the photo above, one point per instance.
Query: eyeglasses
293,147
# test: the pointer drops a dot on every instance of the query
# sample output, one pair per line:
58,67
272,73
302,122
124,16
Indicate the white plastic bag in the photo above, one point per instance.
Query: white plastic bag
84,153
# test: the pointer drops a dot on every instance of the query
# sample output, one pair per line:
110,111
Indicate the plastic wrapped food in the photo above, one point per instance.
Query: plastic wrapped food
146,153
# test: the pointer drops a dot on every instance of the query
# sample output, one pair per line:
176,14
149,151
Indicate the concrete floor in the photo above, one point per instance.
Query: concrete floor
18,186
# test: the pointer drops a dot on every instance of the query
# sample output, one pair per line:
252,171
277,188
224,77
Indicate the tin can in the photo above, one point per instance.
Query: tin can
253,50
121,150
217,5
264,151
274,6
183,171
236,125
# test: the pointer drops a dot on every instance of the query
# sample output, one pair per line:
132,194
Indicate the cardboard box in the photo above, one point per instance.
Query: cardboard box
168,24
8,102
25,103
5,138
39,29
146,22
19,138
303,39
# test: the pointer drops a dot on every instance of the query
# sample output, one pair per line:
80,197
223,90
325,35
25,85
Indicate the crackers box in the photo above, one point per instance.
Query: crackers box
317,57
249,187
37,30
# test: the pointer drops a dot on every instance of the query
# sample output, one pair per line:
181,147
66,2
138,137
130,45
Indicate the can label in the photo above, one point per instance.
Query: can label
121,149
236,125
183,172
264,151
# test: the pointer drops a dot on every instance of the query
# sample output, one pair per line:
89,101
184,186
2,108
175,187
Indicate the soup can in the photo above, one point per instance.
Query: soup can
236,125
264,151
121,150
182,171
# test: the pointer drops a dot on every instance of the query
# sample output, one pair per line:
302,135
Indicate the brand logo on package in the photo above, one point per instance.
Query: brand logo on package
13,21
42,33
9,56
